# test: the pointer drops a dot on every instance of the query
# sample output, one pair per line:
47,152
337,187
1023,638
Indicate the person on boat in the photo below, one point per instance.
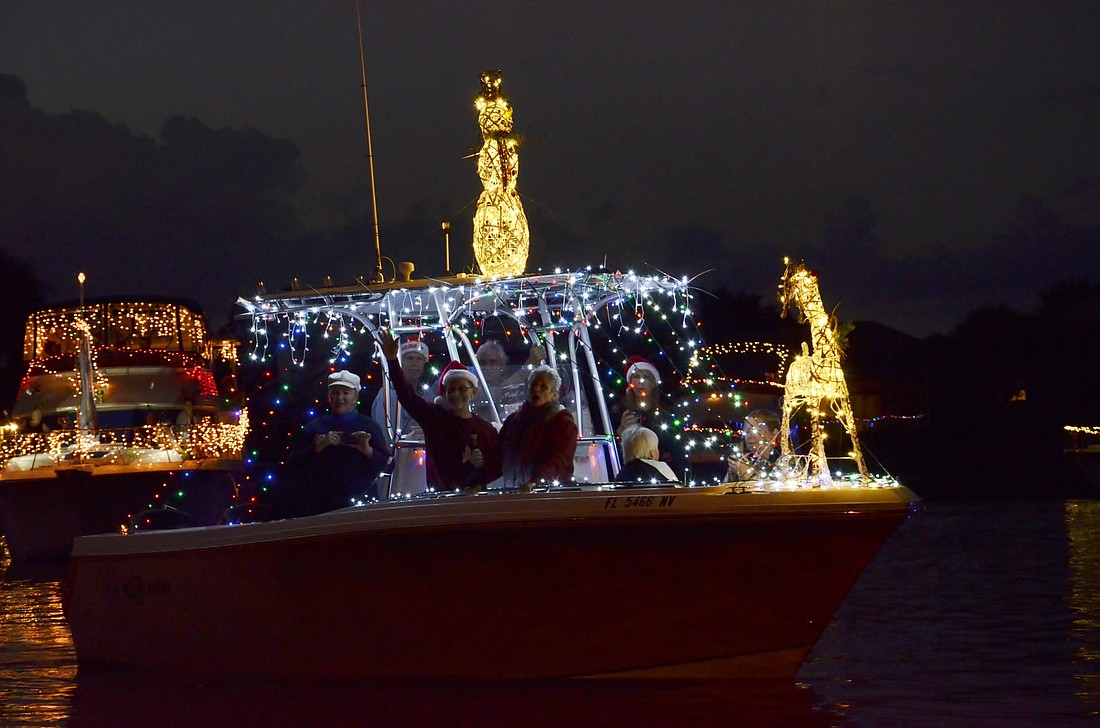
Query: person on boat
342,453
641,404
642,397
35,423
413,356
759,450
462,447
505,383
538,442
641,457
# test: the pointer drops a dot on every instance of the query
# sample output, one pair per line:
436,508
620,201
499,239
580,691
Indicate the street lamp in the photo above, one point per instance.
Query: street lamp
447,246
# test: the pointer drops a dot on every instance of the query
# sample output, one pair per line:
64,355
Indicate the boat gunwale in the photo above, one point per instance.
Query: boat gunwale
513,510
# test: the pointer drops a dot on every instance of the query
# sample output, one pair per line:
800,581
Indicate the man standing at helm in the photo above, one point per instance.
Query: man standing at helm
341,452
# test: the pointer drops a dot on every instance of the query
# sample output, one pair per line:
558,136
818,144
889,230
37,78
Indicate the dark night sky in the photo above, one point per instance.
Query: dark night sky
688,136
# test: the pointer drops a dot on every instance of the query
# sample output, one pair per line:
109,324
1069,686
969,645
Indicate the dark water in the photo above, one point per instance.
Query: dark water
981,614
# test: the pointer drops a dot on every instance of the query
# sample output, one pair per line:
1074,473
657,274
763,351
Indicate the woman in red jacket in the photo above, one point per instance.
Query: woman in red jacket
537,443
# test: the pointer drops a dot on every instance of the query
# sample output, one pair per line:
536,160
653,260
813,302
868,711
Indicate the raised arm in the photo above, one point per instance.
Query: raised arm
420,408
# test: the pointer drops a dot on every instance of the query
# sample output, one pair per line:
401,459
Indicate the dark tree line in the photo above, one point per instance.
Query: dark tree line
23,294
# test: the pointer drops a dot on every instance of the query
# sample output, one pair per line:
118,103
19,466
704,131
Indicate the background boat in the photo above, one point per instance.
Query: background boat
119,423
1084,453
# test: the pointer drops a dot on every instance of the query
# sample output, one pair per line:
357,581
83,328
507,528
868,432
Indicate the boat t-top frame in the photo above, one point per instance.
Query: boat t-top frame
555,310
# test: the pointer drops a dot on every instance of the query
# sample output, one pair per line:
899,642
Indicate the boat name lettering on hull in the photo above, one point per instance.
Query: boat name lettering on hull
136,590
639,501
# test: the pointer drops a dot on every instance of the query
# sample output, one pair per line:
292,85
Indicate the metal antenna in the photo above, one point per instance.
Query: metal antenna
379,277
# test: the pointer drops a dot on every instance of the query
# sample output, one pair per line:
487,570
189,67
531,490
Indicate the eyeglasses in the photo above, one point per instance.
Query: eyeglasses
460,388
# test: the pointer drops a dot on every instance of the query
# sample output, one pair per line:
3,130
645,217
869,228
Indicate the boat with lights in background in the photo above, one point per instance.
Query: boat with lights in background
118,423
589,578
1084,453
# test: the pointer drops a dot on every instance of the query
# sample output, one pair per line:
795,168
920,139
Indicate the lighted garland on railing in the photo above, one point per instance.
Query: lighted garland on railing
99,381
459,302
198,440
116,357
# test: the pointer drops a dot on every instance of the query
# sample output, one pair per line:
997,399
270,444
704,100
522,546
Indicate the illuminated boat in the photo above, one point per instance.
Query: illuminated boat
118,415
588,579
1084,453
582,579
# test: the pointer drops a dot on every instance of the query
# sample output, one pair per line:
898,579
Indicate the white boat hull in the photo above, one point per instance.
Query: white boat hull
627,583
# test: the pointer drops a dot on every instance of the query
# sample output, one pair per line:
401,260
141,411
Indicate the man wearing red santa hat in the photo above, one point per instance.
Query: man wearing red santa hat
462,447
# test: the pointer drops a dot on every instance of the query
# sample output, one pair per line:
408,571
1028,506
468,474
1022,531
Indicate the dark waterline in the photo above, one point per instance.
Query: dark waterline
973,614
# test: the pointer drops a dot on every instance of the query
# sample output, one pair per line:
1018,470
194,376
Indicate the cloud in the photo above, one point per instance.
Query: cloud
192,213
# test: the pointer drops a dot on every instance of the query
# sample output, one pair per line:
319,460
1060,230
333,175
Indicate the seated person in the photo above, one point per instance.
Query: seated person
759,450
537,443
342,453
462,447
412,355
640,456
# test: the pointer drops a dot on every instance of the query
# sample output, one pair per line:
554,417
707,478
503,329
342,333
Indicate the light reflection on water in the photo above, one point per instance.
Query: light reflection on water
37,661
973,613
965,617
1083,524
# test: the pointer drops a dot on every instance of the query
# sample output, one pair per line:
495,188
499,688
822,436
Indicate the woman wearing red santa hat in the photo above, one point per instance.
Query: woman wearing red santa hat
462,447
643,393
641,406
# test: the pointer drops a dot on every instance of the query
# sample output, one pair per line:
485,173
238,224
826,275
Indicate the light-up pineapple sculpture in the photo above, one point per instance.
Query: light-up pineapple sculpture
501,237
815,379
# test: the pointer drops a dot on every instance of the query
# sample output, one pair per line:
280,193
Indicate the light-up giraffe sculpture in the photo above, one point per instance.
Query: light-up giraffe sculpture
501,237
815,378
